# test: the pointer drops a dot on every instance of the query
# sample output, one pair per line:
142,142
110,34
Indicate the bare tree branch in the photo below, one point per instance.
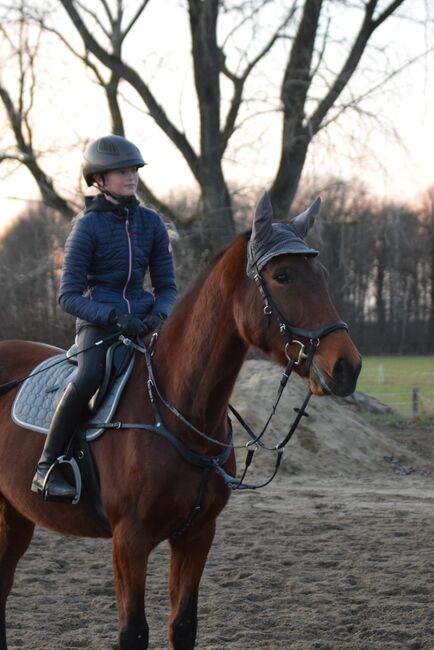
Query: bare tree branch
357,100
111,89
131,76
107,10
388,11
367,27
240,81
29,158
134,19
95,17
298,131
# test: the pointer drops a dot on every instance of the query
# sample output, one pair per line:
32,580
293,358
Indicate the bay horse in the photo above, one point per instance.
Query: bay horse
148,490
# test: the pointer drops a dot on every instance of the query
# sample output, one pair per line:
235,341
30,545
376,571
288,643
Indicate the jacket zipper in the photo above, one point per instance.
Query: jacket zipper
130,254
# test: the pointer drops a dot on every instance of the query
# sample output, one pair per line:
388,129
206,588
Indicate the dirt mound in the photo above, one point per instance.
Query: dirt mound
333,440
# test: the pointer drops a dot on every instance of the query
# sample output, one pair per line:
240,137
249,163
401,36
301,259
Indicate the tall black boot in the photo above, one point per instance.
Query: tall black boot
66,419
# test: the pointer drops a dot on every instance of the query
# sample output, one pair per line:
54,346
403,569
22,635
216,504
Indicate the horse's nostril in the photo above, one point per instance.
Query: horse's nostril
340,369
345,376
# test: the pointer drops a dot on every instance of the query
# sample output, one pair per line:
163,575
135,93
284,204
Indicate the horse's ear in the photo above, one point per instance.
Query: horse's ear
304,221
263,219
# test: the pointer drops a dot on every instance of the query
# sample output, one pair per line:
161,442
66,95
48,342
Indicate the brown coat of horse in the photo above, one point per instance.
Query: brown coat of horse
147,489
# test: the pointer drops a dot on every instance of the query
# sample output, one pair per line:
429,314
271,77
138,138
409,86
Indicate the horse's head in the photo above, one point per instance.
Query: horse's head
295,317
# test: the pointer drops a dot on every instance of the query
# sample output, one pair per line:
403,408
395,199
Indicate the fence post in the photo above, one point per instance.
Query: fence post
415,402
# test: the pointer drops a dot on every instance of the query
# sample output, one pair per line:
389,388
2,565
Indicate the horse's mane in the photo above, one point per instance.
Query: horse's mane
193,290
193,326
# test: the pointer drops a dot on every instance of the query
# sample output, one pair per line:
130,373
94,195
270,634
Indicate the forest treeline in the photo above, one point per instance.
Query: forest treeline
380,259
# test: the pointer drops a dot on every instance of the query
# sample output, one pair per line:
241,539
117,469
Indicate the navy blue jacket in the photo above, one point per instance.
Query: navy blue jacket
106,258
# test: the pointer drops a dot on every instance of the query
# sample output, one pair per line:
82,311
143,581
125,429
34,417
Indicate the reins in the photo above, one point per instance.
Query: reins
288,333
216,462
5,388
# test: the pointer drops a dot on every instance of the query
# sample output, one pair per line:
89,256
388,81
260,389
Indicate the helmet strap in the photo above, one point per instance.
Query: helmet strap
110,196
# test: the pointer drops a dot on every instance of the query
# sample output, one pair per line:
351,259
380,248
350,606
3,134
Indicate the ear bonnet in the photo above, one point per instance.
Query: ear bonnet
271,239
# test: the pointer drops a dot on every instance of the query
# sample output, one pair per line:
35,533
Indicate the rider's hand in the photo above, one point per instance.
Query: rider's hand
133,327
153,322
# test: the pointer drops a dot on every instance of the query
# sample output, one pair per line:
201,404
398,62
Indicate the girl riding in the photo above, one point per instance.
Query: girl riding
113,243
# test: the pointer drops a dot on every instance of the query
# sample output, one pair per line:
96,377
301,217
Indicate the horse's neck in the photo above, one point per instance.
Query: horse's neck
200,352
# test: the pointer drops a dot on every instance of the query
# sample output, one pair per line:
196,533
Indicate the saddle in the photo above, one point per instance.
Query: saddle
35,403
118,356
38,396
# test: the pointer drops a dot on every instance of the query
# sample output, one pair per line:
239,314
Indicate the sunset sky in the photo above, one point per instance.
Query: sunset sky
393,156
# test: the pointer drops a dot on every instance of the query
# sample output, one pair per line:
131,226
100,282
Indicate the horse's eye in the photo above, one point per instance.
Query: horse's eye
281,278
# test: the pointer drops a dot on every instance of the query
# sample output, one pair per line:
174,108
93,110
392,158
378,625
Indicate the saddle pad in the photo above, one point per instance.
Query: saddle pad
37,398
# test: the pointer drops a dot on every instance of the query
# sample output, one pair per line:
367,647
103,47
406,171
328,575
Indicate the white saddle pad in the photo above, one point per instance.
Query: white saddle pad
37,398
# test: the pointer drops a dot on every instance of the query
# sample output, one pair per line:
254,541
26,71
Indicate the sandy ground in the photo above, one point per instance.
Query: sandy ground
338,553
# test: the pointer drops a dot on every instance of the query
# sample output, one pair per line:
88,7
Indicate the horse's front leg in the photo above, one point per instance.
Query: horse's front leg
188,557
130,558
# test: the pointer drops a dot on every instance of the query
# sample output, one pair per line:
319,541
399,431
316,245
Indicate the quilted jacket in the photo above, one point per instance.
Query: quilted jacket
107,254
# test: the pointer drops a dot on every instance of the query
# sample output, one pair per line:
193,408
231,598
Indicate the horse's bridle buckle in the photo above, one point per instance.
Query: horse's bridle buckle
301,354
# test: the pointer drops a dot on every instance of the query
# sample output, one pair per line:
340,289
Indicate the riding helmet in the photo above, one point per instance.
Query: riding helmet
107,153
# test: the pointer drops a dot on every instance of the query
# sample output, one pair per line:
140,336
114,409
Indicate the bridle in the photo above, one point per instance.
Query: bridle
289,332
216,463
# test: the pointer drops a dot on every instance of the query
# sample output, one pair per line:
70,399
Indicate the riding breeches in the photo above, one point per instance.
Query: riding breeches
91,364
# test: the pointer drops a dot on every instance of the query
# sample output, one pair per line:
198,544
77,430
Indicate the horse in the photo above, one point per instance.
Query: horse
147,489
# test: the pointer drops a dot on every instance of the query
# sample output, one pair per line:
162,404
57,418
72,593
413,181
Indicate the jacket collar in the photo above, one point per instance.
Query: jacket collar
99,203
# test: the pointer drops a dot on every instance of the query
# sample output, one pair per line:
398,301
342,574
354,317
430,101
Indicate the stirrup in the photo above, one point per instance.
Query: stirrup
64,460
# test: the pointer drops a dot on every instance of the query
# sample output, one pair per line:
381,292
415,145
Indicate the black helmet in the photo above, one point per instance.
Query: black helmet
107,153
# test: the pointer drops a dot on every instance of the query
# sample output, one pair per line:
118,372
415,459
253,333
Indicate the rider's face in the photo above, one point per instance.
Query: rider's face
121,182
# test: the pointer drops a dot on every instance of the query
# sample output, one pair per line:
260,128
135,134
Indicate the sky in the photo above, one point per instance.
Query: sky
392,155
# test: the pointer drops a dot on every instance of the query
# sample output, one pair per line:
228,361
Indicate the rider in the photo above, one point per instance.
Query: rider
112,244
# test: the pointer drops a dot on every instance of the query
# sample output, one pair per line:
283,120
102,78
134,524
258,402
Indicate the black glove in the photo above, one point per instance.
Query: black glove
153,322
130,325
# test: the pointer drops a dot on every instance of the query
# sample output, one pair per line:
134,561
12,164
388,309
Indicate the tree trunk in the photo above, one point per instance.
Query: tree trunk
430,229
49,195
218,225
296,136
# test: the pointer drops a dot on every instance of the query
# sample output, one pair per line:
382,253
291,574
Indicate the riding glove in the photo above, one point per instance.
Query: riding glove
133,327
153,322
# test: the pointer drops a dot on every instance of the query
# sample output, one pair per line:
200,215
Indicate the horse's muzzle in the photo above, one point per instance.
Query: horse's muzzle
340,382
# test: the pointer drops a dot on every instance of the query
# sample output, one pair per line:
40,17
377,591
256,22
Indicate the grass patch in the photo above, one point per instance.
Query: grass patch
397,421
392,381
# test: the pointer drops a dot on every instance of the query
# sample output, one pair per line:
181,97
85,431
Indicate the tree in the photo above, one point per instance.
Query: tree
311,84
24,50
428,234
30,262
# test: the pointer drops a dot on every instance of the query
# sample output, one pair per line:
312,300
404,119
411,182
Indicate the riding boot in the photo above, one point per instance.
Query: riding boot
66,420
